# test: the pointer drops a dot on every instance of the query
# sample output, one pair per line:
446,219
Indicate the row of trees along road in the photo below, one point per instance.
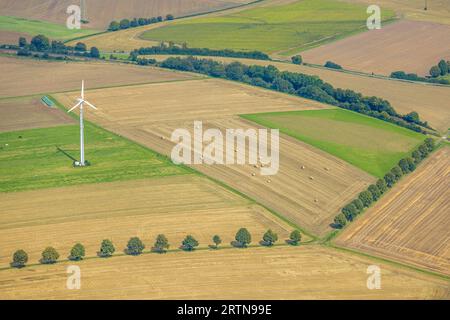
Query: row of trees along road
135,246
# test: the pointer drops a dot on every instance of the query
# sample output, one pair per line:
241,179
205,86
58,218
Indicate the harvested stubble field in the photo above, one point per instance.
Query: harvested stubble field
405,45
305,272
28,113
175,206
308,197
101,12
431,102
411,223
28,76
376,148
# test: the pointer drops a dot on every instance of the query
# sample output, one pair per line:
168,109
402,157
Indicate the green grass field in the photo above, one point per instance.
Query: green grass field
446,77
30,159
35,27
119,56
269,29
370,144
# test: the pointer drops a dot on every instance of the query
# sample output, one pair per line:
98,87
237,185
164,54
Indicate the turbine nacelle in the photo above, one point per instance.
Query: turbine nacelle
81,100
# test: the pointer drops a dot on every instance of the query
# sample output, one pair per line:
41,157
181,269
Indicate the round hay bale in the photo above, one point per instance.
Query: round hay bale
311,178
303,167
253,174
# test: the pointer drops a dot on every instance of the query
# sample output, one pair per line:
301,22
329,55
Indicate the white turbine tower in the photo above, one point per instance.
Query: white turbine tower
80,104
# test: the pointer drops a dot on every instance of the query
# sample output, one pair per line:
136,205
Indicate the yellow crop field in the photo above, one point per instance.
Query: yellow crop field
174,206
305,272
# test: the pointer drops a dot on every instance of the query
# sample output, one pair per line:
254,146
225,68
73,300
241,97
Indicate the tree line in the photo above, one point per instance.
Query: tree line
45,47
311,87
136,22
135,246
375,191
441,69
184,50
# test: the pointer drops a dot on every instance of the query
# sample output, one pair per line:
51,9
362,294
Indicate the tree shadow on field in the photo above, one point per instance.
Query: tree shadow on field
265,244
158,250
335,226
237,244
292,242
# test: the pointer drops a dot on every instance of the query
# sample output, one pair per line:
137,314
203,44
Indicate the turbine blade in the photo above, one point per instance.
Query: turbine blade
90,105
76,106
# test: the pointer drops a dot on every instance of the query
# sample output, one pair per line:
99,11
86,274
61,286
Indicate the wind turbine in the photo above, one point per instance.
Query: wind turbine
83,10
80,104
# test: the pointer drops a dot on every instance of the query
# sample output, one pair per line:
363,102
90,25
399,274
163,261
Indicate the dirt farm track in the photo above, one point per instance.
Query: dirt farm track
411,223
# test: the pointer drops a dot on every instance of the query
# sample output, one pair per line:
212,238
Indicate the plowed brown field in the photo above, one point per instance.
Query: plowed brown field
28,113
404,45
27,77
